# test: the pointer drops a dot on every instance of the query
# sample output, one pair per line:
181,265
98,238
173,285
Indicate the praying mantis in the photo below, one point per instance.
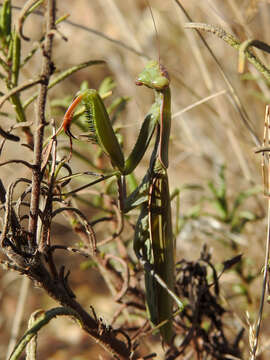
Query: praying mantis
154,239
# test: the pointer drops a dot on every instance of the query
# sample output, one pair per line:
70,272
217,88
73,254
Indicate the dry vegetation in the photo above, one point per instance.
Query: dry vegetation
212,164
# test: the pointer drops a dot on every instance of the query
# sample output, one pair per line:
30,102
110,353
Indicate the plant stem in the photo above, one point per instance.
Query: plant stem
47,69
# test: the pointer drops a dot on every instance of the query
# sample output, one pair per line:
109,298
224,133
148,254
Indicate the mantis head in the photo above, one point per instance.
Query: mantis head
154,76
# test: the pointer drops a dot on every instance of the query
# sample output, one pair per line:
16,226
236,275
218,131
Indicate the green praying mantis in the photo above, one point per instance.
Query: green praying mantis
154,239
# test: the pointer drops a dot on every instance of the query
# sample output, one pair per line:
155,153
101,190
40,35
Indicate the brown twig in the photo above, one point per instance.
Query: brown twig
126,275
17,161
47,70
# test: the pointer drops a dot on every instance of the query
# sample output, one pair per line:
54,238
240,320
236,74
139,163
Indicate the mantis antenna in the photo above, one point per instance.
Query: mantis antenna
156,32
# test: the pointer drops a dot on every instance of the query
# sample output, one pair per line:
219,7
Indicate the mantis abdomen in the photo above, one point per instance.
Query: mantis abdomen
159,302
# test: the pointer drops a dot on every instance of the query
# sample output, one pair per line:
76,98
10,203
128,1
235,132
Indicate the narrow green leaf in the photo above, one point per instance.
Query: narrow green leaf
63,75
5,21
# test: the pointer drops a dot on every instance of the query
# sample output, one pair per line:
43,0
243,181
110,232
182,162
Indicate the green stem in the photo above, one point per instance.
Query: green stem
42,320
234,42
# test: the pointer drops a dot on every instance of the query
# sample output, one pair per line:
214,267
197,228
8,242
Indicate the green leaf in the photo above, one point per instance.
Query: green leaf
117,106
5,22
245,195
63,75
107,85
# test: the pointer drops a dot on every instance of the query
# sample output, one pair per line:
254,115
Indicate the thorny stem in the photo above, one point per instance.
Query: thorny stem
41,121
102,336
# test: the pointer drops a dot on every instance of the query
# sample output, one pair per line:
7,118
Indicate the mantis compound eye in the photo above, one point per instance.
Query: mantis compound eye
154,76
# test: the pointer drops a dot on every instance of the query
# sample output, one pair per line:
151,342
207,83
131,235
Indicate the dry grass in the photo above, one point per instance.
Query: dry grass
203,139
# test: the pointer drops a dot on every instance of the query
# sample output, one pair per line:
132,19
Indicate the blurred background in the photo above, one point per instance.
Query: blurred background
212,159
